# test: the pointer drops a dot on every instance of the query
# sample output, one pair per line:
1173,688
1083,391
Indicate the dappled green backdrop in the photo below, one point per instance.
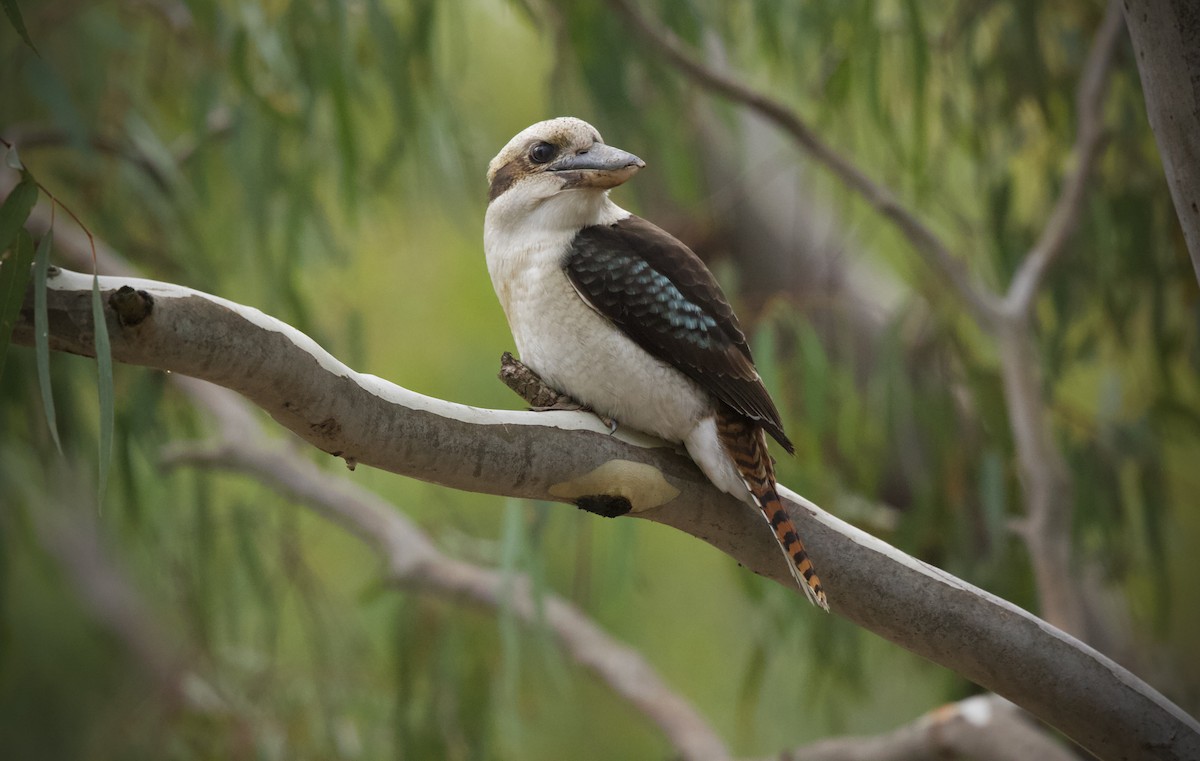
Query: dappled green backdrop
324,162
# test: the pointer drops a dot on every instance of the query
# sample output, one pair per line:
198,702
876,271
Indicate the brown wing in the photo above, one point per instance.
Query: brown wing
663,297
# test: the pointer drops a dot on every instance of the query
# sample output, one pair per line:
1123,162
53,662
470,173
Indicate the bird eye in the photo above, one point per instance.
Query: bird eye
541,153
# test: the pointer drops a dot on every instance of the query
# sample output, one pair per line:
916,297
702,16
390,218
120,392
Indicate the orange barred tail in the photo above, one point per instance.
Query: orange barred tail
789,541
746,444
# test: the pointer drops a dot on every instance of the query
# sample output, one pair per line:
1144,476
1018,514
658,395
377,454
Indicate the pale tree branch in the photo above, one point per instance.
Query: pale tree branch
982,303
72,537
1046,486
564,456
411,559
1089,140
1166,44
413,562
1045,480
981,728
217,124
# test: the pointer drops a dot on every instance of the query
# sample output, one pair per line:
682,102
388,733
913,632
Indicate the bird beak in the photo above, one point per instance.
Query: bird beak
600,166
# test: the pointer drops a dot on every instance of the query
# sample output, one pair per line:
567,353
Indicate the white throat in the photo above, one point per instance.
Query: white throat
523,210
526,235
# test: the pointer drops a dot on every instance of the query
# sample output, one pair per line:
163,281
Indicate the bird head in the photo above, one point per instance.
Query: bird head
557,155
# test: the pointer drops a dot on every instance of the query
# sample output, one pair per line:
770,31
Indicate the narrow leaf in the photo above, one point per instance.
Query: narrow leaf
41,333
920,69
15,209
14,17
14,277
104,385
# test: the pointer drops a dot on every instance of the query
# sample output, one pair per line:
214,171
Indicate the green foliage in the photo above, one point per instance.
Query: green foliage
13,11
16,256
41,329
14,277
324,162
104,387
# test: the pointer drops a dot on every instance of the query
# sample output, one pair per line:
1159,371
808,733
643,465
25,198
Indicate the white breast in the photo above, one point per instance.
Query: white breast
569,344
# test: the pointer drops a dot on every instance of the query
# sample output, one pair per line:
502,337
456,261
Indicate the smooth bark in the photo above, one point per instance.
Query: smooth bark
1166,44
367,420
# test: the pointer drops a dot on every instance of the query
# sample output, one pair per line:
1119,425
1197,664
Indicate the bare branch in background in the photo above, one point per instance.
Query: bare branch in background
409,556
29,138
1166,38
981,728
74,542
413,562
217,124
1045,480
411,559
560,456
982,304
1089,140
570,457
1046,483
72,537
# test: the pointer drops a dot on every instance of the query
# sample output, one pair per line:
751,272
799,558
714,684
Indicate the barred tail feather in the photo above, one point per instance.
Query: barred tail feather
746,443
789,541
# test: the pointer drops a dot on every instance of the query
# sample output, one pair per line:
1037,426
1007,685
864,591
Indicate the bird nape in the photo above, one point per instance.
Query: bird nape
624,318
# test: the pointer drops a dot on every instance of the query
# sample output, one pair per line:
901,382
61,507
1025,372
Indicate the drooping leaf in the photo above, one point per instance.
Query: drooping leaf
16,207
816,379
14,17
104,386
751,688
14,277
514,552
920,76
993,498
1153,514
41,333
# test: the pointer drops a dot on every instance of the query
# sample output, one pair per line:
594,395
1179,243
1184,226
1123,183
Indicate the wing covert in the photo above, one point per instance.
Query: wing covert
662,296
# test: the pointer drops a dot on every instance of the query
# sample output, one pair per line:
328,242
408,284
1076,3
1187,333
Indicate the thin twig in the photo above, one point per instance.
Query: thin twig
1089,140
982,303
1046,480
555,454
413,562
1164,35
72,538
29,139
411,558
983,728
54,200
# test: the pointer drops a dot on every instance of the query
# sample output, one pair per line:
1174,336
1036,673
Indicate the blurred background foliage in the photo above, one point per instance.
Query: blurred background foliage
324,162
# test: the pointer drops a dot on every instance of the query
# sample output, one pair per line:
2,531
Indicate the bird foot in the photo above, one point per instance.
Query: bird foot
609,422
540,396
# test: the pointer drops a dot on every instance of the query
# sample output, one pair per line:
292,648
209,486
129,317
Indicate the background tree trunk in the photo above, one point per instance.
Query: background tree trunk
1166,39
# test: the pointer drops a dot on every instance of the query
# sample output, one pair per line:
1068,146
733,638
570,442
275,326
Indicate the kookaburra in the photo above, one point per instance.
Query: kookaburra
622,317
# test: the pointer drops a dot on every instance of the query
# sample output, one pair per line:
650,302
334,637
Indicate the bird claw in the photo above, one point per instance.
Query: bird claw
609,422
540,395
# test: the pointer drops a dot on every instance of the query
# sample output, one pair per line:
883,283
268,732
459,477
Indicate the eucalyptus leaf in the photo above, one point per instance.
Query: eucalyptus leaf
41,333
16,208
104,387
14,17
14,278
